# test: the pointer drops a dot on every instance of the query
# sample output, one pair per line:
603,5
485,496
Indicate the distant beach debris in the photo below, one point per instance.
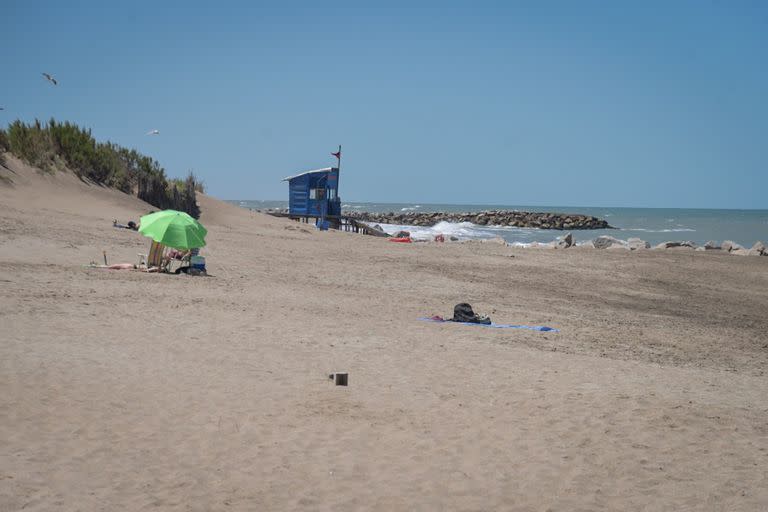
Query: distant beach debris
512,218
153,132
50,79
340,379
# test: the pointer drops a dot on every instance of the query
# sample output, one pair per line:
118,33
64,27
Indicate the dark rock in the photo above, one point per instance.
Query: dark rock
604,242
711,246
676,243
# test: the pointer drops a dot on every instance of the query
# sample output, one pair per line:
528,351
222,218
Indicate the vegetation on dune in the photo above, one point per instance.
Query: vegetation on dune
56,145
3,146
3,141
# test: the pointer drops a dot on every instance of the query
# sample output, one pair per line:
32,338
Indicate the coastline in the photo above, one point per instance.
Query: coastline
432,226
133,390
654,225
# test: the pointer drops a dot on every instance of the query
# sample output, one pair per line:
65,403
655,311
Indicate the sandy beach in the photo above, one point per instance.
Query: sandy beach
123,390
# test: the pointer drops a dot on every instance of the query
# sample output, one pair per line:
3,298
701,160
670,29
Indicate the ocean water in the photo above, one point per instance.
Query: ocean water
654,225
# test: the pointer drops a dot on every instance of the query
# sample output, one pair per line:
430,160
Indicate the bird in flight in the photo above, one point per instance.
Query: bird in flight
50,79
153,132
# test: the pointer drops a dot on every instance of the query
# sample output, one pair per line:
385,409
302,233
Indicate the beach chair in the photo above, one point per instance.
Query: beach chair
177,262
155,258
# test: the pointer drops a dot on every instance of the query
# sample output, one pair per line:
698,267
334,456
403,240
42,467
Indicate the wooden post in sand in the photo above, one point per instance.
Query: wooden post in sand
340,379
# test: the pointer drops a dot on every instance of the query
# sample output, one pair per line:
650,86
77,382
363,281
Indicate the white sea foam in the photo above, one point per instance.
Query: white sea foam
410,208
461,230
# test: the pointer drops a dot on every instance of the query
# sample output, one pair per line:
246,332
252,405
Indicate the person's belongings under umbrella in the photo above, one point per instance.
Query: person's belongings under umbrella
179,232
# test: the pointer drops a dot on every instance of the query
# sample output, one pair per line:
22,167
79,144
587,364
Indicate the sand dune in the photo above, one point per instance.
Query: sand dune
133,391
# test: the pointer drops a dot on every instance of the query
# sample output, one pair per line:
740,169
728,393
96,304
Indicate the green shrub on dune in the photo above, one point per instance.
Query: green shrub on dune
55,145
4,141
3,146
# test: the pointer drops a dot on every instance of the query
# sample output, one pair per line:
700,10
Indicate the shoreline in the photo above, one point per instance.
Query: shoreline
656,226
600,242
460,229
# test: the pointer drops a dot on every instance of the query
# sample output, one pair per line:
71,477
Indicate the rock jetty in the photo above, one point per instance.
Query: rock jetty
513,218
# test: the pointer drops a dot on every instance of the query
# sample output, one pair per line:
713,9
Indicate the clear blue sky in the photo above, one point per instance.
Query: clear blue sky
659,104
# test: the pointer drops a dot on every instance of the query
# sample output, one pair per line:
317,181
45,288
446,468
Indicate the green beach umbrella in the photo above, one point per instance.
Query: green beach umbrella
173,229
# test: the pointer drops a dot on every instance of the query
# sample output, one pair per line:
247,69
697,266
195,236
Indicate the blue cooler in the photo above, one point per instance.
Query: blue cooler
197,262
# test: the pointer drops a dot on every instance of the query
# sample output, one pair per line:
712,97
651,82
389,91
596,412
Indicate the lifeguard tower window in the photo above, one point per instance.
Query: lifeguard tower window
317,193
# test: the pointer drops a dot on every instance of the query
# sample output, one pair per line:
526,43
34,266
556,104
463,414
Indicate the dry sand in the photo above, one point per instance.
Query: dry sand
123,390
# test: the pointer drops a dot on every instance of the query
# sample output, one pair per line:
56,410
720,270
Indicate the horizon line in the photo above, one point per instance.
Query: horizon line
421,203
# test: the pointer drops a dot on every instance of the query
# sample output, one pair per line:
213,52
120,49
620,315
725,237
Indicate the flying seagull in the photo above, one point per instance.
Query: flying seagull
50,79
153,132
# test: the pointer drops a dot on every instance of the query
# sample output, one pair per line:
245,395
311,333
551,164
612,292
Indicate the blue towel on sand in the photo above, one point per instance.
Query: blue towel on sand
497,326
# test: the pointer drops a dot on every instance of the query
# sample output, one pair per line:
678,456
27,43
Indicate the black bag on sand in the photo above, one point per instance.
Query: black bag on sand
463,313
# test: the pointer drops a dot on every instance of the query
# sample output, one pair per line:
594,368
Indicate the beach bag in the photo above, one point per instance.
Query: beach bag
463,313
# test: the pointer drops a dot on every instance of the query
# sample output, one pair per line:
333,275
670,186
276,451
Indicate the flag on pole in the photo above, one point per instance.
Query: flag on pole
337,155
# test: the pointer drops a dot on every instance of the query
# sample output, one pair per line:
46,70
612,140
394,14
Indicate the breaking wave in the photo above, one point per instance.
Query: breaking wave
461,230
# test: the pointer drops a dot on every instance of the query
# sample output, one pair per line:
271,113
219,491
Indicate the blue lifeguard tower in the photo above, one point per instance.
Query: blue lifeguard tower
315,195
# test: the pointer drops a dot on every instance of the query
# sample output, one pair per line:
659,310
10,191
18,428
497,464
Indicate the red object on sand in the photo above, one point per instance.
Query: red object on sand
404,240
